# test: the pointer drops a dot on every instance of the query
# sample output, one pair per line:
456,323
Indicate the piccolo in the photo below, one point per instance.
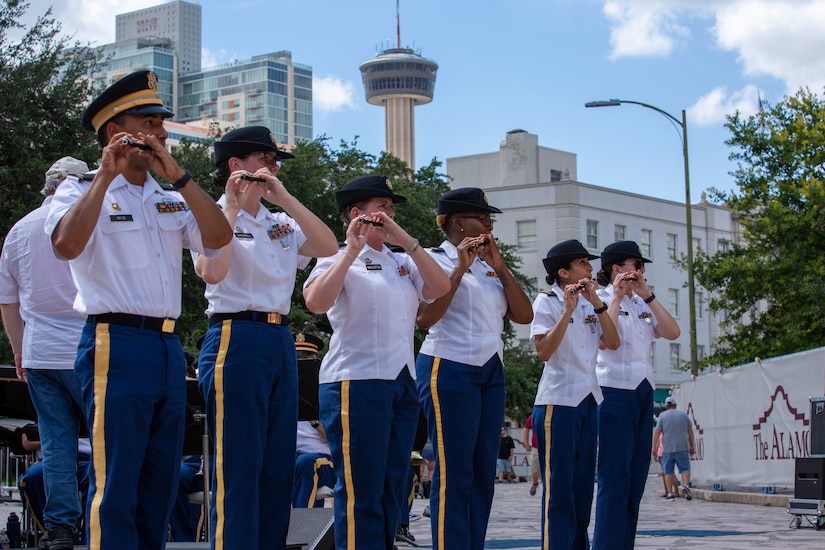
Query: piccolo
475,246
142,145
577,288
629,278
256,179
372,221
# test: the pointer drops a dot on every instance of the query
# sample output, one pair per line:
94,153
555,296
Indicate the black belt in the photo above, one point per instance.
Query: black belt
136,321
260,316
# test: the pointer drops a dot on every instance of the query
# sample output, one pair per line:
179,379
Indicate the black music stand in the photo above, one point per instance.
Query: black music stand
308,407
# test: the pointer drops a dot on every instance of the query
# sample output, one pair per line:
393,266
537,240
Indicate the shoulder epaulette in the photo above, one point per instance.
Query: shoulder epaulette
88,176
167,186
395,248
438,249
342,244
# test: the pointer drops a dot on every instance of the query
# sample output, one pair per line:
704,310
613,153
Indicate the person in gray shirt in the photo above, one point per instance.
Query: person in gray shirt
675,428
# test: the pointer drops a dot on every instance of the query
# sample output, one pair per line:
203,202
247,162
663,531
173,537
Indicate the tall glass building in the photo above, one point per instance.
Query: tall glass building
268,90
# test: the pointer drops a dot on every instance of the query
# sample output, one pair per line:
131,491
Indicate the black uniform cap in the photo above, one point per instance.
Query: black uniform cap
465,199
365,188
622,250
134,94
564,253
243,141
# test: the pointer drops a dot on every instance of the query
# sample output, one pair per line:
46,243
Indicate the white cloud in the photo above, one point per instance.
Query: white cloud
781,39
638,30
713,106
331,94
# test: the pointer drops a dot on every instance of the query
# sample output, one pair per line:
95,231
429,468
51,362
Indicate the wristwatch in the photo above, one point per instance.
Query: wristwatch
184,179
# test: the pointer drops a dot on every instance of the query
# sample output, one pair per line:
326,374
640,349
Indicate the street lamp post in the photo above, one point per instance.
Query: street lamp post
694,363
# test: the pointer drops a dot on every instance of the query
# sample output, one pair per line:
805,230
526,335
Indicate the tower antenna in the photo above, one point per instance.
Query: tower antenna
397,24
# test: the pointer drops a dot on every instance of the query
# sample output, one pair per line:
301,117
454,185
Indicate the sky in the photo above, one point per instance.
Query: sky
531,65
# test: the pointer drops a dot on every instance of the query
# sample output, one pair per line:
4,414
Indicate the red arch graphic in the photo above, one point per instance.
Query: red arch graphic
796,414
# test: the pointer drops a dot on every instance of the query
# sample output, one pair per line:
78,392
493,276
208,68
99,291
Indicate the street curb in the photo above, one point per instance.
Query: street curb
758,499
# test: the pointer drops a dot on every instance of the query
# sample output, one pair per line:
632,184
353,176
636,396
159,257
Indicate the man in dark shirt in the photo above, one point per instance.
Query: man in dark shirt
504,464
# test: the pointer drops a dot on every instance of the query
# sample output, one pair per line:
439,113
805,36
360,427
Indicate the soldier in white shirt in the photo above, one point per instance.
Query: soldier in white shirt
36,299
459,367
123,235
626,378
247,369
570,323
369,406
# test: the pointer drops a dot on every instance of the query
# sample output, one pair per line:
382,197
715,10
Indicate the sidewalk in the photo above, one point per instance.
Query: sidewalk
515,522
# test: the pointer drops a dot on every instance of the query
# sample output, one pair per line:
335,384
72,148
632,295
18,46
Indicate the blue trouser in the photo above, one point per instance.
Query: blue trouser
58,400
133,382
567,455
464,406
625,432
33,490
370,426
186,518
248,375
312,471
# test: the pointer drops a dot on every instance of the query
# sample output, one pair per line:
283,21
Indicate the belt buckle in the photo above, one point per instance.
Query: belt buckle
168,326
273,318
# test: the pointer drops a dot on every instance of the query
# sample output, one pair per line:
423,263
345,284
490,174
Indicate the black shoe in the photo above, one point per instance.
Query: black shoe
403,535
60,537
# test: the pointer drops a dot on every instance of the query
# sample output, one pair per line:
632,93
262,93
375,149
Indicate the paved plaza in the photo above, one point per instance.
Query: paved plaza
696,524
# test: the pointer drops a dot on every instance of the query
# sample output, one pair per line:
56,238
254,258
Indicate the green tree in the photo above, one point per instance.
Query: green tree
770,285
44,90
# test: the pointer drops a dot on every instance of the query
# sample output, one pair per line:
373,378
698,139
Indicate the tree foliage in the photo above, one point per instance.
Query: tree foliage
770,285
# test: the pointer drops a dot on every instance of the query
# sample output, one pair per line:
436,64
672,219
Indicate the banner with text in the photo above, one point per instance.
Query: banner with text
751,422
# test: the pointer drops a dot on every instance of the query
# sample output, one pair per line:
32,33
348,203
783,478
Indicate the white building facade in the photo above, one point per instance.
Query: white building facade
543,204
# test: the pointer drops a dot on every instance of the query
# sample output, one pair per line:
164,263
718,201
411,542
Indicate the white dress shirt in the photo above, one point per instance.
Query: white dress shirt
264,262
132,261
627,366
569,375
31,276
373,317
470,330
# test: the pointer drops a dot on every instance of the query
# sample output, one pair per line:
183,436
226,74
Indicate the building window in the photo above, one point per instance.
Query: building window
592,234
697,244
673,301
644,242
675,356
700,352
526,234
700,308
671,246
619,232
555,175
722,245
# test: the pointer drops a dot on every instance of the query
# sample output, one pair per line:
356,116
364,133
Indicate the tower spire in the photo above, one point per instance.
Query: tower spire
397,24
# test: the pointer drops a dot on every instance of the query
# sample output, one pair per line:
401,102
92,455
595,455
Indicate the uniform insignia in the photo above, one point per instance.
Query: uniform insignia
438,249
169,206
272,139
152,80
367,261
300,338
590,319
120,218
403,271
389,184
115,207
279,231
492,274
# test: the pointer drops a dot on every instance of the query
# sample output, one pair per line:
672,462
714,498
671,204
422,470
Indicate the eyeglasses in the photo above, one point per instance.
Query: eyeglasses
486,219
635,263
267,157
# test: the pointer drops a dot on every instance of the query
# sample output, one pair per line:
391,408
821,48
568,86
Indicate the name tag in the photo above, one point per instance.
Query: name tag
374,267
120,218
242,235
621,312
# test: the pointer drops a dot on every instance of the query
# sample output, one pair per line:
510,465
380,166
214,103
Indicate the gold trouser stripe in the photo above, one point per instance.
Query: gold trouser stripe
548,419
101,380
442,462
220,490
346,449
319,462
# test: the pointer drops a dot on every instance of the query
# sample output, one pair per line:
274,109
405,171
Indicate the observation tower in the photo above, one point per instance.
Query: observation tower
399,79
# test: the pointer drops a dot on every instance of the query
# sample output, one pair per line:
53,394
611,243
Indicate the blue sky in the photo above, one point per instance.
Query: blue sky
532,64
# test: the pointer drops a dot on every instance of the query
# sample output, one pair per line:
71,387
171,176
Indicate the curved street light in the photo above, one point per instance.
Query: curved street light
694,363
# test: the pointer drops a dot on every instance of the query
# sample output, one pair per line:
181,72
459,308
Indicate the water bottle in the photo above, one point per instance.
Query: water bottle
13,530
4,540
